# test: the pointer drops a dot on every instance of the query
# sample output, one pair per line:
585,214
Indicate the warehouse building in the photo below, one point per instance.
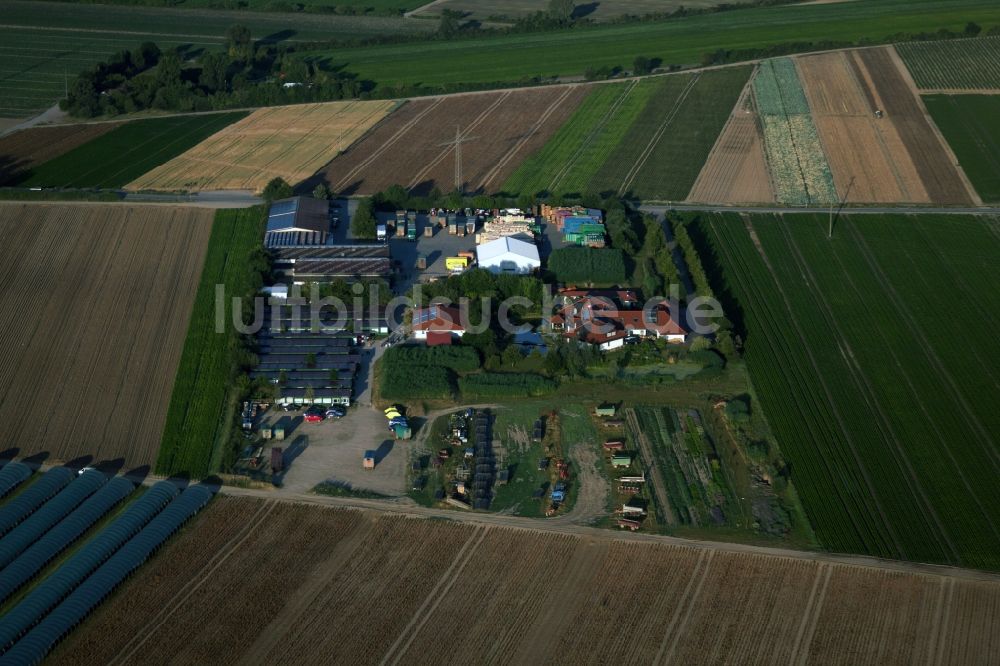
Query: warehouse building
298,221
509,254
323,263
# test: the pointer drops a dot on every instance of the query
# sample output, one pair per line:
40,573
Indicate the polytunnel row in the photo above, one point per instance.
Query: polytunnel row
34,496
12,475
95,586
56,540
41,521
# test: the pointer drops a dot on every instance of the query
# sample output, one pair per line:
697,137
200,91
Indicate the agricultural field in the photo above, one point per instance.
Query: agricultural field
886,417
483,10
290,142
971,125
21,151
645,138
414,147
441,590
894,93
957,65
736,169
867,156
129,150
799,170
99,335
521,55
319,8
201,408
46,42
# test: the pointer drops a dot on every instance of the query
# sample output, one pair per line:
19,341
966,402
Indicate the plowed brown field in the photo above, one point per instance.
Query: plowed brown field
891,91
254,581
289,142
94,308
415,146
736,170
858,146
22,150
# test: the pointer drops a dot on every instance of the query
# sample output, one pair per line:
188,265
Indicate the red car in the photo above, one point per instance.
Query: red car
313,418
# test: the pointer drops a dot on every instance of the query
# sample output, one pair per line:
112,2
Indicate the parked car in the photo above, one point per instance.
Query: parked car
313,417
335,413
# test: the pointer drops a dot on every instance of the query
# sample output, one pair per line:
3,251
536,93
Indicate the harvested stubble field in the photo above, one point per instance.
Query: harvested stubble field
411,148
736,170
956,65
290,142
859,147
22,150
300,584
96,339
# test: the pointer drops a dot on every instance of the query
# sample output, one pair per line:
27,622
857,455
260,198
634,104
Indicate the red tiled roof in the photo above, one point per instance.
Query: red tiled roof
436,338
437,318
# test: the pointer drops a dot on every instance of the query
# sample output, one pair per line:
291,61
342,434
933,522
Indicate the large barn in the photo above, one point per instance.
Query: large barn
297,221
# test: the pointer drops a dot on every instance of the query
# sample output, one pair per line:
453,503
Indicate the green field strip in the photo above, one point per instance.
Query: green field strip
970,64
117,158
518,56
196,424
678,157
661,95
567,162
971,125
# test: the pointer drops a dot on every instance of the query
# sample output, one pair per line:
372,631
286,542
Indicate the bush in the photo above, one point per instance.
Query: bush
414,382
276,189
588,265
363,223
460,359
504,385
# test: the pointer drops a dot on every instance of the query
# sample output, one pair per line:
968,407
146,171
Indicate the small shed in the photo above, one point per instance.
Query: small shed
606,411
369,462
621,460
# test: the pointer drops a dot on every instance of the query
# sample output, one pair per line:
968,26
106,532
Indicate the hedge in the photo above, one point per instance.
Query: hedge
416,382
460,359
505,385
588,265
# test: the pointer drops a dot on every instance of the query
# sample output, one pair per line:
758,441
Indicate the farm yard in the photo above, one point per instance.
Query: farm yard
129,150
21,151
957,65
886,417
43,42
414,147
644,138
278,578
971,125
99,335
290,142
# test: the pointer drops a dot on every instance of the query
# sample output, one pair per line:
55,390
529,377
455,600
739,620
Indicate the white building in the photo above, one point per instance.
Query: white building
508,255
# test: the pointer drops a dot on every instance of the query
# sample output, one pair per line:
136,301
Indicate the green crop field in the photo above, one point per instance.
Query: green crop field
971,124
958,64
483,10
196,428
45,44
125,153
874,357
240,7
570,159
513,57
648,138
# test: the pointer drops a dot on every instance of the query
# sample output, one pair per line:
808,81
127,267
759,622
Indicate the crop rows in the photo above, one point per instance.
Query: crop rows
958,64
799,170
877,411
195,417
128,151
971,125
